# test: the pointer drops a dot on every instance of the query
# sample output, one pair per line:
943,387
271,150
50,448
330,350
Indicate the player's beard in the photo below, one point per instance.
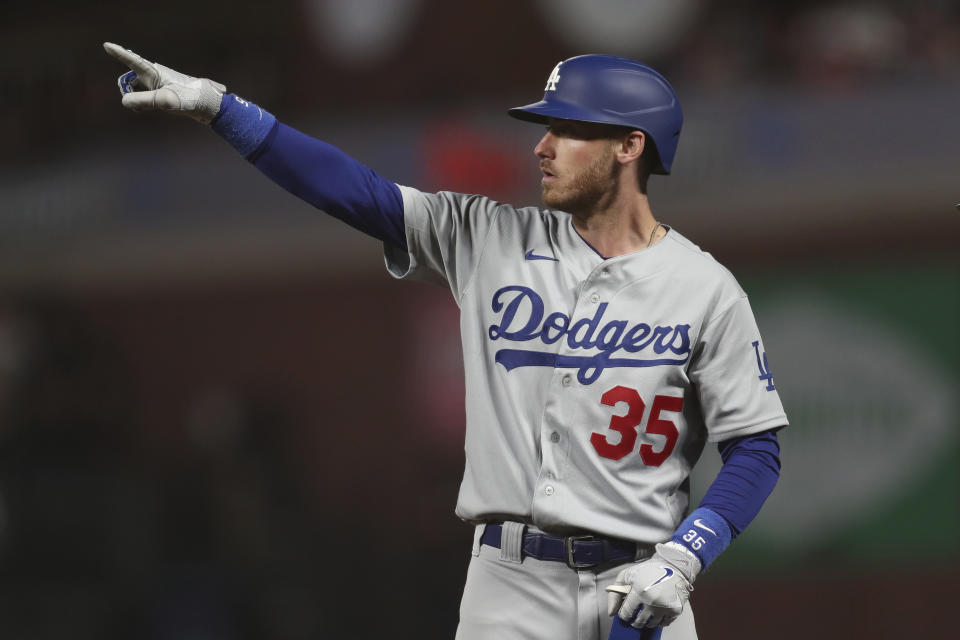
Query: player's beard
585,191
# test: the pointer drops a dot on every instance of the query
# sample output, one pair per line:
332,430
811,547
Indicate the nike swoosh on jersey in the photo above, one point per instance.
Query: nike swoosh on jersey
699,523
667,574
530,255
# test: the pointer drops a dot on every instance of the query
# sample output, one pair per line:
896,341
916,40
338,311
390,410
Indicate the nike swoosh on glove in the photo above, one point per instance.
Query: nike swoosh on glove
653,592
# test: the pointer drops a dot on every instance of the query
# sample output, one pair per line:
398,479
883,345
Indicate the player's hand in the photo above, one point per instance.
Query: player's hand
653,592
149,86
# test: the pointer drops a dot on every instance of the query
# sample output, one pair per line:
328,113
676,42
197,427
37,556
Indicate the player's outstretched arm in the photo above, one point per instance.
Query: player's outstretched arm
312,170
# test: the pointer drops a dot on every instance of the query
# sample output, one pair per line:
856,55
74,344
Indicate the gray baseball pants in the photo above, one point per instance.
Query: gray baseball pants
509,598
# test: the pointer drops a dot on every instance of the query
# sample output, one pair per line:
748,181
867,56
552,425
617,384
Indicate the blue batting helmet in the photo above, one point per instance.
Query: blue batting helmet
612,90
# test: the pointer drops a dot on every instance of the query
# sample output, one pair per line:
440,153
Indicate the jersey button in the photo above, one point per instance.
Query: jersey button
595,298
554,437
566,380
548,490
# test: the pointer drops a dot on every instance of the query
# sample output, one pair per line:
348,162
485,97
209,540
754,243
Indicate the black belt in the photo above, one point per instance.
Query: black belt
578,552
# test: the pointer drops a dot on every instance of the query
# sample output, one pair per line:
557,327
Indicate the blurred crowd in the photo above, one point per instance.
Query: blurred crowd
834,46
193,499
57,81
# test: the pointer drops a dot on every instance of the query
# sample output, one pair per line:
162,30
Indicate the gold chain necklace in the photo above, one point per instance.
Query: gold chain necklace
653,234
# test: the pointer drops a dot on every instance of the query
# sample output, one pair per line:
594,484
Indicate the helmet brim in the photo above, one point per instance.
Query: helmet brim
541,112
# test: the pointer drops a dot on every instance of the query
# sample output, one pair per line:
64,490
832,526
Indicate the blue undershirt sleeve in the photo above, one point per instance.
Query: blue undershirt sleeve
314,171
751,467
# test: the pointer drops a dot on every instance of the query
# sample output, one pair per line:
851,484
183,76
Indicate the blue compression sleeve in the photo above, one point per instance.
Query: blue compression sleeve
243,124
751,467
314,171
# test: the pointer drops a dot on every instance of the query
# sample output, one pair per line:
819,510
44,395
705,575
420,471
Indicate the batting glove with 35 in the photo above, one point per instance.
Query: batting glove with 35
149,86
653,592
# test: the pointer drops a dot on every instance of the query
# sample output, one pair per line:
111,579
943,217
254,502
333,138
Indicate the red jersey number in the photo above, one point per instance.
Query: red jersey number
626,425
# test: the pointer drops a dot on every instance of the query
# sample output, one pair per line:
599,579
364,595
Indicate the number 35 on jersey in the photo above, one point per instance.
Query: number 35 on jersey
610,446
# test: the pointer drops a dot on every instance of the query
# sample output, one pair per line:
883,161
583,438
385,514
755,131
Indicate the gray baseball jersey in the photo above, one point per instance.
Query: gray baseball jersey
592,384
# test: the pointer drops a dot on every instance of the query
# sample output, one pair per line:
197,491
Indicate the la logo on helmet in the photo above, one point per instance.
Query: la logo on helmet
553,79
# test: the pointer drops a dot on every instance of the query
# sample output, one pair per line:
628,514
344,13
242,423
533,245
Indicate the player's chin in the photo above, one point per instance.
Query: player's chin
552,196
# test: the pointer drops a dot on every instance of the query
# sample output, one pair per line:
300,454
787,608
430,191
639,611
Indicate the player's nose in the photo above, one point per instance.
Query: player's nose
544,148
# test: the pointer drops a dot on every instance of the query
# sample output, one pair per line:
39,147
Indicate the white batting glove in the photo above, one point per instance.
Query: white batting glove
149,86
652,593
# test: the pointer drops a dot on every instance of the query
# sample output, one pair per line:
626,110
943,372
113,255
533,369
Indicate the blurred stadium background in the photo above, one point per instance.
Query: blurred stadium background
220,418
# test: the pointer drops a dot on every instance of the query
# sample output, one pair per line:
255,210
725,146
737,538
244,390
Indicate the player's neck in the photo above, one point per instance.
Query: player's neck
623,226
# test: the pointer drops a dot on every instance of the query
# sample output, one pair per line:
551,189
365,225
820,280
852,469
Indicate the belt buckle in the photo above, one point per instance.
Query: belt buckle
573,564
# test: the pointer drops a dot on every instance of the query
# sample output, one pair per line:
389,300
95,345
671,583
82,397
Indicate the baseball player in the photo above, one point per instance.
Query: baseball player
602,351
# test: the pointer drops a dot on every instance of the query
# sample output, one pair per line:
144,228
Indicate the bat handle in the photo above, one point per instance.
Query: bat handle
623,631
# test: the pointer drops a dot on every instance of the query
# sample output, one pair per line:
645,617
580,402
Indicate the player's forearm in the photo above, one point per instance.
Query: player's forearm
313,170
751,467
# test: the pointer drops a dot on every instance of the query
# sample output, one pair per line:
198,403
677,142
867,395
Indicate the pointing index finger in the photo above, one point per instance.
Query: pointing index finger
144,69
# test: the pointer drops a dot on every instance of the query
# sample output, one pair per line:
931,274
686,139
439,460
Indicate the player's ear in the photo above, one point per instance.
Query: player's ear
631,146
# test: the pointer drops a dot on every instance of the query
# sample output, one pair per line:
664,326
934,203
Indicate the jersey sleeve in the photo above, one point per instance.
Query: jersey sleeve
445,235
732,376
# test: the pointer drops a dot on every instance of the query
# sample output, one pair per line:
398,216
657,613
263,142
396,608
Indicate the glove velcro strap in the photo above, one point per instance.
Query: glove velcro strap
705,534
681,558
